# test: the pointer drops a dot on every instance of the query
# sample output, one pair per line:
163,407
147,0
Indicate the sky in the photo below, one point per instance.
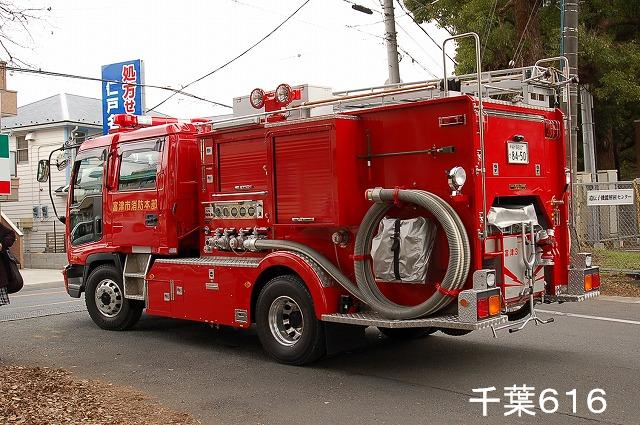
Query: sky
326,43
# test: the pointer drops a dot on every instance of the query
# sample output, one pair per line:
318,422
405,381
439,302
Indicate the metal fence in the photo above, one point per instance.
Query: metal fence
607,223
55,242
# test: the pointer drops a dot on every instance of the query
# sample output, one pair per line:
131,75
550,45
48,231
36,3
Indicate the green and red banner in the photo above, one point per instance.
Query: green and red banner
5,166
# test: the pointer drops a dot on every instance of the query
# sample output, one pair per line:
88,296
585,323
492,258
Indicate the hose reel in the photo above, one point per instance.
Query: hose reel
459,252
366,289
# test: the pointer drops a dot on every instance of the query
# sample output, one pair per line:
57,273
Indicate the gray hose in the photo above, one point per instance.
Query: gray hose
367,290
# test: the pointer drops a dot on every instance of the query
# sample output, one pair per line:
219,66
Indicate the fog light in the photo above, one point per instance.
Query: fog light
494,305
483,308
588,282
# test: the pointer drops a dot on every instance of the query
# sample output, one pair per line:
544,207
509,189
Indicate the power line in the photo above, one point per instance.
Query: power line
488,30
82,77
229,62
418,44
520,45
399,47
424,31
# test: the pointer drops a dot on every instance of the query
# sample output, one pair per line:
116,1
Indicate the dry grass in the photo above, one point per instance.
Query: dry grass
620,285
39,396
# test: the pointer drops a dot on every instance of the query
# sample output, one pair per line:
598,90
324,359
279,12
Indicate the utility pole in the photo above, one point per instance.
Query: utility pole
570,45
392,42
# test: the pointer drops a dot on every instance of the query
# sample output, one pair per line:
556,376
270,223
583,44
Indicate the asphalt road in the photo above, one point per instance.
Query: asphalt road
223,376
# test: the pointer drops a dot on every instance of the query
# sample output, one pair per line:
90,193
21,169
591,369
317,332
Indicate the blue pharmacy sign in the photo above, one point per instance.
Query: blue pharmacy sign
121,93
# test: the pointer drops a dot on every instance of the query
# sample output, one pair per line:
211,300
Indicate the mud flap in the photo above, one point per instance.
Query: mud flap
342,337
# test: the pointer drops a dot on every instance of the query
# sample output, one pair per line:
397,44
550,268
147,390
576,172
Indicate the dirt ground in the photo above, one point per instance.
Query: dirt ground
39,396
620,285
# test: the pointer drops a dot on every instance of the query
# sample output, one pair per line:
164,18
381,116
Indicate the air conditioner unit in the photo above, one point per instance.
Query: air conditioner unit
25,223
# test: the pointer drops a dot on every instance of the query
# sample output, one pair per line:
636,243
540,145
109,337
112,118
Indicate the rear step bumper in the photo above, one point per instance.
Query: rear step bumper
572,298
445,321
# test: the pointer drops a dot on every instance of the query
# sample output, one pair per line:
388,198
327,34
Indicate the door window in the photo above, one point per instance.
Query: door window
138,169
85,210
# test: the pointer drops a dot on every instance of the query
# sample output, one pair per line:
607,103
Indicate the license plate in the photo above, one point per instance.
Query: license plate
517,153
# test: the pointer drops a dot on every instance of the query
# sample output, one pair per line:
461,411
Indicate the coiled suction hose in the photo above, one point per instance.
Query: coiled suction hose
366,289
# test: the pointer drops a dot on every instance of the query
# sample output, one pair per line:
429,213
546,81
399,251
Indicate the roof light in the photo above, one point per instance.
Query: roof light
283,94
257,98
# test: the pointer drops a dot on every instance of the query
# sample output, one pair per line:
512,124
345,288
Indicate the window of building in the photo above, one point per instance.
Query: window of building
14,165
22,149
138,169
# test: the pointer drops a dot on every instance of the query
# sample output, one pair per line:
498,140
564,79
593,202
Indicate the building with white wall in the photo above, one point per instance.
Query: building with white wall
39,128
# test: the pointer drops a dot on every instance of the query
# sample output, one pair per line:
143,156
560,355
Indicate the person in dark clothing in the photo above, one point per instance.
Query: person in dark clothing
7,238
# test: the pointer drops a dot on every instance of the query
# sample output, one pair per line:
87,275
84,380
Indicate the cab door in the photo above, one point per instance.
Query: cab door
134,204
85,201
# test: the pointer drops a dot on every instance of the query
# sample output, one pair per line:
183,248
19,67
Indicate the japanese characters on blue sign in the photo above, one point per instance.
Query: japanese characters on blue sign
120,92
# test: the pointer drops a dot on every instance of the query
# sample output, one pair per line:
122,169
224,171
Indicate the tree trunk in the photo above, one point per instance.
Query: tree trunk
605,147
637,146
526,20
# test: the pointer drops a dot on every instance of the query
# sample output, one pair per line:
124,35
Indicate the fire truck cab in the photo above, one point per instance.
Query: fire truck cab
313,214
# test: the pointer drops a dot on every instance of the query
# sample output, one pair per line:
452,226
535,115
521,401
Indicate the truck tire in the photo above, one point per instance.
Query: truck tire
107,306
519,314
286,322
406,333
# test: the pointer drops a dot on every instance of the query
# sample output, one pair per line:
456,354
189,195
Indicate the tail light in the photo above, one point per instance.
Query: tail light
483,308
489,306
588,282
595,281
494,305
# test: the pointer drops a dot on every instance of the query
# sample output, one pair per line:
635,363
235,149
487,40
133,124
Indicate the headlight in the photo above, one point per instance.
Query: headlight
457,178
257,98
283,93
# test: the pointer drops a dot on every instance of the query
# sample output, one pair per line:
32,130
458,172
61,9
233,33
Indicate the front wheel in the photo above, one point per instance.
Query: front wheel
286,322
107,306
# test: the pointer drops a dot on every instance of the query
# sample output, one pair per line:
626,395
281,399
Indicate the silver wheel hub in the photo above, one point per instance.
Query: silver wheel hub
286,321
108,298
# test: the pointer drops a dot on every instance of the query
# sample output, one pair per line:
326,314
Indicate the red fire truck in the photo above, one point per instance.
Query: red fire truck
415,208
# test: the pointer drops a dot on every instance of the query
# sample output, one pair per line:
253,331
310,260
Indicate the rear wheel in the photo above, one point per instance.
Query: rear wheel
286,322
406,333
523,311
107,306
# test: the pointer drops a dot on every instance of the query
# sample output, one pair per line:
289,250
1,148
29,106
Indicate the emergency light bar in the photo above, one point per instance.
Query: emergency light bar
132,121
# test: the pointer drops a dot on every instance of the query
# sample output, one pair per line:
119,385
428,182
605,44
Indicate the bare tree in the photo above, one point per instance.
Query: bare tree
14,28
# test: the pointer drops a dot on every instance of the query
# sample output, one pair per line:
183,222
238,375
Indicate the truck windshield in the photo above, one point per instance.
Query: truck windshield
85,209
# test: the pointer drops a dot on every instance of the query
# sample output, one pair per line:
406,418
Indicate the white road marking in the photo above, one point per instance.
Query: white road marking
37,294
624,300
41,305
584,316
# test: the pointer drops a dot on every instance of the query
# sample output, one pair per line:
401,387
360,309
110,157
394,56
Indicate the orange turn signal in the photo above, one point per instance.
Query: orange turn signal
588,282
494,305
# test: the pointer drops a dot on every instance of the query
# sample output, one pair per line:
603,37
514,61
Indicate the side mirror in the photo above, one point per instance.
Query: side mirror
43,171
62,161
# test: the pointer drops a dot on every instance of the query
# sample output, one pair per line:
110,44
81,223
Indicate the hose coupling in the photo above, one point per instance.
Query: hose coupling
373,195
